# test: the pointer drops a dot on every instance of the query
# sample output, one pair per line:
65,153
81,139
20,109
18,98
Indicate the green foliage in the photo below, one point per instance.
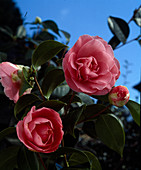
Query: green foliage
53,79
27,159
53,104
77,159
6,132
119,28
77,110
8,158
25,101
110,131
46,51
134,109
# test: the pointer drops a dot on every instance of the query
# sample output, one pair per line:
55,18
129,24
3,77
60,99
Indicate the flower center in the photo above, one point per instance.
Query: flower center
87,68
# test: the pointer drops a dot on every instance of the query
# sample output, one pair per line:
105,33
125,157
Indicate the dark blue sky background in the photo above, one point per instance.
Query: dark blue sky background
80,17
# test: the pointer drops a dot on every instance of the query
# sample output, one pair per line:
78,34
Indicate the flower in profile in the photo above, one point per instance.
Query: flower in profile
11,79
119,96
41,130
90,66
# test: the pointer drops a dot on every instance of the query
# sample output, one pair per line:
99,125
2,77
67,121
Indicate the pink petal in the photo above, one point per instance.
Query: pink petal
91,48
7,68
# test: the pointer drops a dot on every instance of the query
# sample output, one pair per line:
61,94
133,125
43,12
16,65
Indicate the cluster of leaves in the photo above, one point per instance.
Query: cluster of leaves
45,57
120,29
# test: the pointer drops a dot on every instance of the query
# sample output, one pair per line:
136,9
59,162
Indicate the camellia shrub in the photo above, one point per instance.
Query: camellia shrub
57,91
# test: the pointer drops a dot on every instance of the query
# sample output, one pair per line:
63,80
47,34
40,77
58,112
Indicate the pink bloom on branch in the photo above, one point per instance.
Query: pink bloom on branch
10,80
41,130
119,96
90,66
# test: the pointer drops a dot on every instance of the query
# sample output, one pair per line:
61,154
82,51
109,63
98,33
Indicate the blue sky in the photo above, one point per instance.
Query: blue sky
80,17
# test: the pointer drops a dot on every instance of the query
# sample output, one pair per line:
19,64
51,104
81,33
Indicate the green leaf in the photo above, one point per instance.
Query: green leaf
67,35
114,42
6,31
134,109
44,35
24,101
49,24
25,84
67,98
53,104
103,98
68,151
46,51
8,158
27,159
21,32
119,28
52,79
77,159
8,131
110,131
89,129
137,16
92,111
61,90
71,119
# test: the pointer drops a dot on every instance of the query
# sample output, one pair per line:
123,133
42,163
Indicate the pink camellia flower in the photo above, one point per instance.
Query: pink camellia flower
11,81
119,96
90,66
41,130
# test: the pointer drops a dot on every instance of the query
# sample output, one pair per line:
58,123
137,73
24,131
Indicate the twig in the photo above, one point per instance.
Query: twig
95,114
40,90
65,156
68,106
128,42
42,162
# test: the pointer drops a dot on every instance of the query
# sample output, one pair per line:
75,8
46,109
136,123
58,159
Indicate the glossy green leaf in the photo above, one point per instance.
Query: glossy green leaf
21,32
53,104
25,84
6,31
92,111
110,131
71,119
67,35
68,151
77,159
49,24
114,42
67,99
8,158
44,35
45,51
52,79
137,16
134,109
89,129
119,28
27,160
24,101
61,91
6,132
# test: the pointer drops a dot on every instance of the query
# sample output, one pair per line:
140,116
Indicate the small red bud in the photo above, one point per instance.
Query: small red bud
119,96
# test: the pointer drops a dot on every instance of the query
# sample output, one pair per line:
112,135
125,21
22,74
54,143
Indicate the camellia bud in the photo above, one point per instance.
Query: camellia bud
38,20
119,96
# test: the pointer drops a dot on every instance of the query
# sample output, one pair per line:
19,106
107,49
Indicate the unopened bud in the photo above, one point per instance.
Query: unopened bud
38,20
119,96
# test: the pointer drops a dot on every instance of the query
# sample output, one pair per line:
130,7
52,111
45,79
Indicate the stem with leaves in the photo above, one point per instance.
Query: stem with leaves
95,115
137,38
40,90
